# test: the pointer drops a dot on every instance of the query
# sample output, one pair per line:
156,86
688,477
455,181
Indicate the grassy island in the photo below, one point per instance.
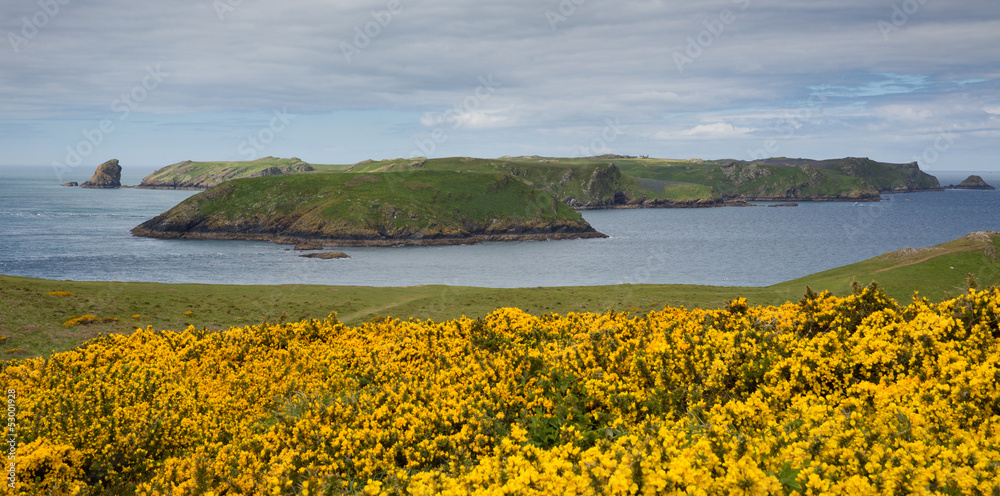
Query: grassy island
355,209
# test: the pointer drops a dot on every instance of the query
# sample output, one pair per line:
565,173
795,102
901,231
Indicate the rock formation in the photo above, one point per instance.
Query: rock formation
327,255
108,175
972,182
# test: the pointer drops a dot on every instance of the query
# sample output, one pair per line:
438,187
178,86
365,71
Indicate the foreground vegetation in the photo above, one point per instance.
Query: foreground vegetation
31,319
851,395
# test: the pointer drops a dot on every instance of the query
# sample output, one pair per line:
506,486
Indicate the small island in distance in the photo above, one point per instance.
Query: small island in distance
972,182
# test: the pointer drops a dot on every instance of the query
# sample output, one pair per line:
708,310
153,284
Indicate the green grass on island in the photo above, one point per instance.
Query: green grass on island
200,175
31,319
613,180
415,205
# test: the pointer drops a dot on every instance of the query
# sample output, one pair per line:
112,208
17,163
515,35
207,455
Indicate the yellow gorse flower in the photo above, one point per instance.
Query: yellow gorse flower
825,396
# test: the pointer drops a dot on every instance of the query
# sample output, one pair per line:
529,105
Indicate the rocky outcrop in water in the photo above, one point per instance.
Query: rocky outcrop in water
107,175
972,182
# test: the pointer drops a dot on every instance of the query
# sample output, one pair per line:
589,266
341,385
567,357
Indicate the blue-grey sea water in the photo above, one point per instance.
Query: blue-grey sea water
53,232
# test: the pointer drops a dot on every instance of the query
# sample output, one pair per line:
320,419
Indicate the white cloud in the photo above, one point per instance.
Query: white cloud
907,113
717,130
558,86
472,119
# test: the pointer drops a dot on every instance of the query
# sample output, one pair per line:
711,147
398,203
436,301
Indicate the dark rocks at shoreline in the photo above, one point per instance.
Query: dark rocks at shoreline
308,245
327,255
972,182
784,205
108,175
70,184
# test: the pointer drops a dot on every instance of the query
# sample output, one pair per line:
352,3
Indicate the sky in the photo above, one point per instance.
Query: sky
153,83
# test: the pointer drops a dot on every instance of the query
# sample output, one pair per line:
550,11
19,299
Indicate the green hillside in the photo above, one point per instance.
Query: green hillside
31,320
204,175
351,209
617,181
622,181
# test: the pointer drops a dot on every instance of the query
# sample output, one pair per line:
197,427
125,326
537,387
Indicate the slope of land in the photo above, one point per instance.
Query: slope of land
31,319
856,395
348,209
783,179
204,175
612,181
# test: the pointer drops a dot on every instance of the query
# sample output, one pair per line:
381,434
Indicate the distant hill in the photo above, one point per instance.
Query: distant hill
357,209
204,175
611,181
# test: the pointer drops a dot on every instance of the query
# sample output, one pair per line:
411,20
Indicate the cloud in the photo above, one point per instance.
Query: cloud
757,77
719,130
472,119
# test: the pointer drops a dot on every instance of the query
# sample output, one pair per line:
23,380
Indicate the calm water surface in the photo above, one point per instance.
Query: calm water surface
53,232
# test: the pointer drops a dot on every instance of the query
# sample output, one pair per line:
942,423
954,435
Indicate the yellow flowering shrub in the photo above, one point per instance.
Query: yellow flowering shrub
53,468
852,395
60,293
88,319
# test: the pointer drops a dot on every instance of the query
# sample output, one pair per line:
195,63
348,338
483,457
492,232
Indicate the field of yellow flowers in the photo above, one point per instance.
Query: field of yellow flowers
852,395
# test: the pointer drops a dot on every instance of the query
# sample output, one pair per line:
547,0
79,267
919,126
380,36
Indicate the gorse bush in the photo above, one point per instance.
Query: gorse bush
87,320
852,395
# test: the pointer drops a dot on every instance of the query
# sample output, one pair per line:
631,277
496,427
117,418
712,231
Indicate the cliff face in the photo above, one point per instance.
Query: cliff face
107,175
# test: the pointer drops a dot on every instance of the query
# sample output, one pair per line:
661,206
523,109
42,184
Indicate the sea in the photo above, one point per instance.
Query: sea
64,233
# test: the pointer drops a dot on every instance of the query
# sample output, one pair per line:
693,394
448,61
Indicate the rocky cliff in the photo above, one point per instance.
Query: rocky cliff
107,175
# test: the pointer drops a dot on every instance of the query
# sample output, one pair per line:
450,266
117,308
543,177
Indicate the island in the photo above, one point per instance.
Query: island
972,182
415,207
204,175
613,181
108,176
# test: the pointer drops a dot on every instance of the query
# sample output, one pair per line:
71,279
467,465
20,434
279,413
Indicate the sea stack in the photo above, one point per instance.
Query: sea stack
107,175
972,182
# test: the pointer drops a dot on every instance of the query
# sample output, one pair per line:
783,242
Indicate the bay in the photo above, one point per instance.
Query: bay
53,232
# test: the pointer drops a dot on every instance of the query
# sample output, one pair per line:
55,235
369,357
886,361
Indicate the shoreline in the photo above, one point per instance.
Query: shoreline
472,239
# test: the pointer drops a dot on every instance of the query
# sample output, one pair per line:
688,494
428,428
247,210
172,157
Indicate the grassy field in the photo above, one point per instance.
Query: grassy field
32,320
